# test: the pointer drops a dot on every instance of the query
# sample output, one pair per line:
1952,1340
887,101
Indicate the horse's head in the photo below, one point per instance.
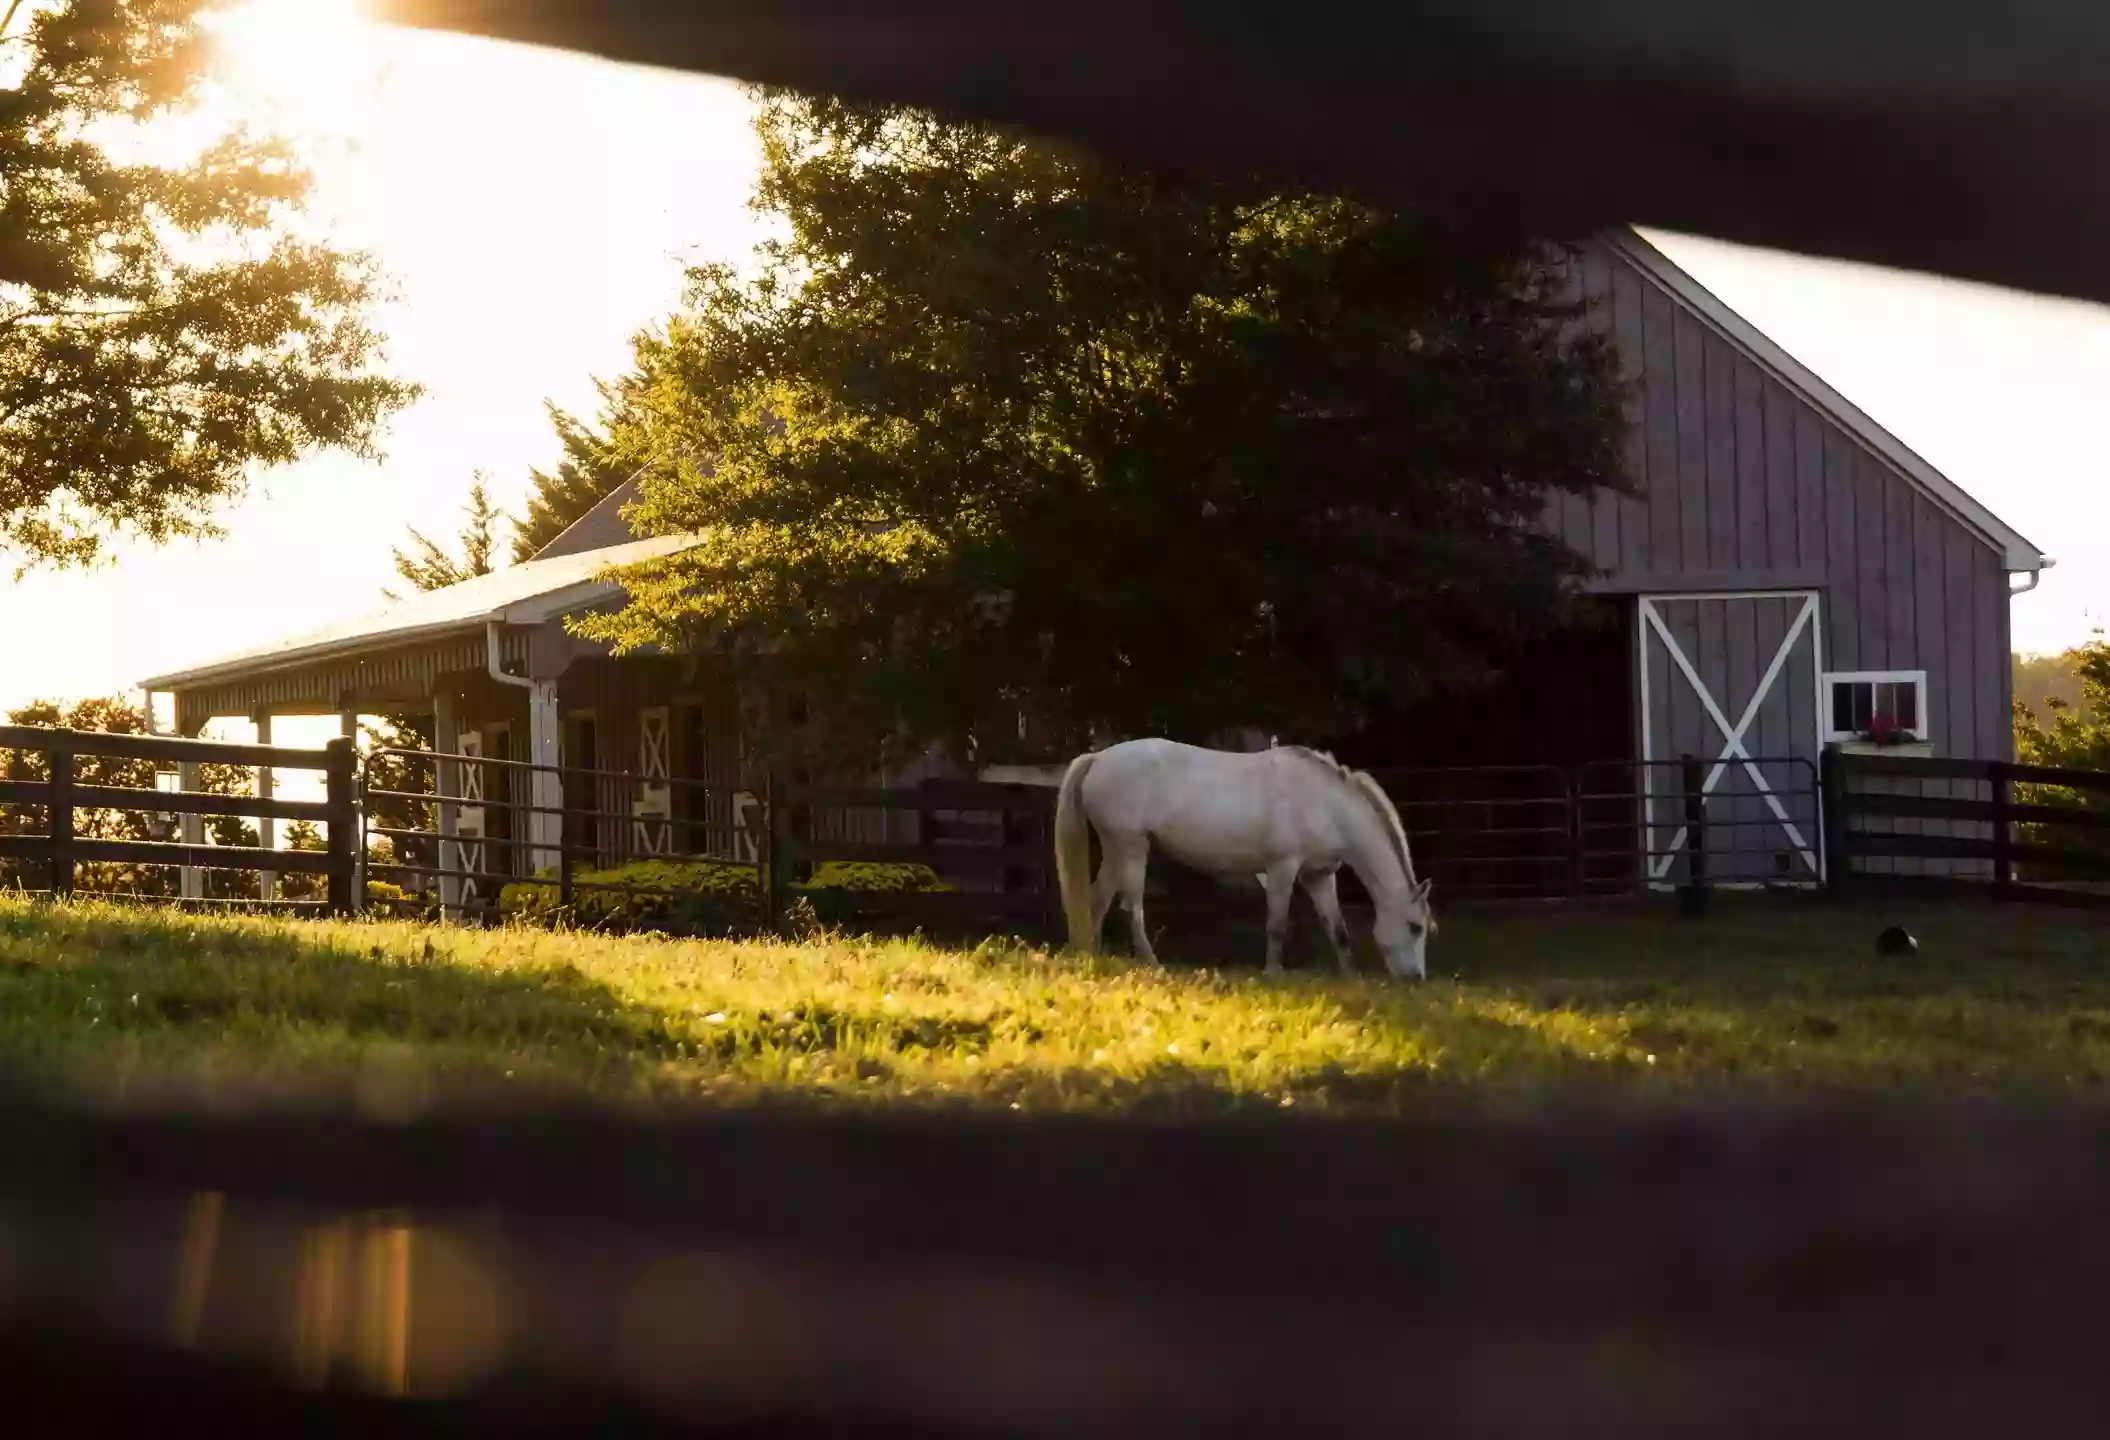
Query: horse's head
1404,924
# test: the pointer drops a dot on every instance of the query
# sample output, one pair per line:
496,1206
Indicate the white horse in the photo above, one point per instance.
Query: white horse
1286,815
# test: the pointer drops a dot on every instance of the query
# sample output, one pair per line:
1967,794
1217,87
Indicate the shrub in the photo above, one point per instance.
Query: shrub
873,877
702,895
687,894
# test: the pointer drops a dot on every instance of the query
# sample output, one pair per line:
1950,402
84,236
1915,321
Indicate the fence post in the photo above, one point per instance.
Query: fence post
1692,896
344,827
61,812
2003,831
771,867
1578,870
1831,796
1050,880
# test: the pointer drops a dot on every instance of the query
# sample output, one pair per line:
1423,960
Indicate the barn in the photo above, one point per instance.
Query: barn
1784,575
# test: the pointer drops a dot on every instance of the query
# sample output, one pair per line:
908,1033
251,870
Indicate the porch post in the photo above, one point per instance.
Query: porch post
447,779
546,825
266,828
348,726
191,880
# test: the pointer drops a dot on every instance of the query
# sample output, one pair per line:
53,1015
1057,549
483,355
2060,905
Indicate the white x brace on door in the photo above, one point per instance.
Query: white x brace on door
654,802
469,819
1793,716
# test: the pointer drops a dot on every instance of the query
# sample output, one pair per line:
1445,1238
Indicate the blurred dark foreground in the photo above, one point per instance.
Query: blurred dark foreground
1593,1271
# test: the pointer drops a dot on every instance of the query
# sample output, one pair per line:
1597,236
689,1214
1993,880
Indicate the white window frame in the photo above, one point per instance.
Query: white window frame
1921,732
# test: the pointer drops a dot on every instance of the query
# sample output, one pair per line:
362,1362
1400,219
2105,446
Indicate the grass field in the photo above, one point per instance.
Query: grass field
1776,995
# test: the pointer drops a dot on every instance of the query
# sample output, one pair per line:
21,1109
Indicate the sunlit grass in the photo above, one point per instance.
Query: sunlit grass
1785,996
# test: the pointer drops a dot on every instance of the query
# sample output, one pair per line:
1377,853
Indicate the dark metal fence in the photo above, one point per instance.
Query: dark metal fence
1610,827
464,840
1485,834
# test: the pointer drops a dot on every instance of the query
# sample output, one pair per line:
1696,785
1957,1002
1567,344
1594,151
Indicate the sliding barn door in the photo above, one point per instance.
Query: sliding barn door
1733,680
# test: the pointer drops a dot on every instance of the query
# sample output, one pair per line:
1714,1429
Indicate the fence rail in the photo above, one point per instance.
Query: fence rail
58,847
1985,840
2014,831
992,840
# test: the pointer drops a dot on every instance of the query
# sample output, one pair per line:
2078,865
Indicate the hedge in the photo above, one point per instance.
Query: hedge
712,895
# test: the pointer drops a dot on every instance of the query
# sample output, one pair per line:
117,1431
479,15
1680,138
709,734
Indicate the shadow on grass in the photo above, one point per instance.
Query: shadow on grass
103,977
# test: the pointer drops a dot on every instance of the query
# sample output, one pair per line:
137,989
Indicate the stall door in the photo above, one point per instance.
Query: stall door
653,804
501,793
1732,680
469,820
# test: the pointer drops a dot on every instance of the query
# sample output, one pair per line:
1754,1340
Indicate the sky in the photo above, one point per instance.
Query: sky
528,241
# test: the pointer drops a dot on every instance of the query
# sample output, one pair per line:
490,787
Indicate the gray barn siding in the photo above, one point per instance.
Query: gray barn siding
1744,484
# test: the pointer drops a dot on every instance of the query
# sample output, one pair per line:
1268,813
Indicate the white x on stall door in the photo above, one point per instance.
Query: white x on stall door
654,804
1733,747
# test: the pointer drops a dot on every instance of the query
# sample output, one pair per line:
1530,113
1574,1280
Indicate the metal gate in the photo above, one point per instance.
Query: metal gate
1730,678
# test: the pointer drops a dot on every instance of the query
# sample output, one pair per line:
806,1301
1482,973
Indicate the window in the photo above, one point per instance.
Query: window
1868,704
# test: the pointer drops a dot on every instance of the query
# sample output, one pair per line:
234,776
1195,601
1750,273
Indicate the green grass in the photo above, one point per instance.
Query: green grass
1789,995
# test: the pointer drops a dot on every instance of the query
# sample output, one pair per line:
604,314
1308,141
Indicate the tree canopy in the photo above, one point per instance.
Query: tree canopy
2069,735
164,325
1003,447
594,465
428,565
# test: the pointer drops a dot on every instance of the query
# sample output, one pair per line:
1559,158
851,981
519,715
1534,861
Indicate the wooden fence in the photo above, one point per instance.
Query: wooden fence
993,843
58,847
2017,832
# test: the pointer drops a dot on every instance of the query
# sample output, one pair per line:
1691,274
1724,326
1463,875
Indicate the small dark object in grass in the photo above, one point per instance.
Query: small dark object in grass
1897,940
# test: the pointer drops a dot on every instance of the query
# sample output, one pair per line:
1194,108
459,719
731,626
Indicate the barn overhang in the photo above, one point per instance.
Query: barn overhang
509,622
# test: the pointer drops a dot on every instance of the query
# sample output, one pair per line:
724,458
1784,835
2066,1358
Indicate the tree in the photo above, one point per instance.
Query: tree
595,464
395,774
163,325
427,566
2041,679
995,430
2069,736
305,836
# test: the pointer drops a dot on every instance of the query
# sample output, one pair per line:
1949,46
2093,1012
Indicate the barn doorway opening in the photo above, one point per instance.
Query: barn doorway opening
1566,700
1526,788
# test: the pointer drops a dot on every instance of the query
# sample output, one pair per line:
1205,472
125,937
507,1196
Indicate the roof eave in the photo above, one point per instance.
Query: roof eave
308,655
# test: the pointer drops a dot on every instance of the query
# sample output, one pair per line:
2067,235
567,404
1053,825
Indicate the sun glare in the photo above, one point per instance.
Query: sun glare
303,65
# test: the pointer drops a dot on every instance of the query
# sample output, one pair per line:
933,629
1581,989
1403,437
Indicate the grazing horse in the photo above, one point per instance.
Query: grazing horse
1287,815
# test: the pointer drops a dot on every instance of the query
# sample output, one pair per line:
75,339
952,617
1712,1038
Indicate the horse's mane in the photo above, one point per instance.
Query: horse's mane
1372,792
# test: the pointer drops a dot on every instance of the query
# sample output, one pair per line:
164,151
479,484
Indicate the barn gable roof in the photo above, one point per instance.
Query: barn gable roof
2018,552
599,528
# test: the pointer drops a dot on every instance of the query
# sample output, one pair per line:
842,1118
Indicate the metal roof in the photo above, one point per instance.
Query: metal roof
526,594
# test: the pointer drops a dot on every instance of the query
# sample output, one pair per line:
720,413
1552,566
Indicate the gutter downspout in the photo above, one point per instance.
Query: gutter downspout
2036,578
546,785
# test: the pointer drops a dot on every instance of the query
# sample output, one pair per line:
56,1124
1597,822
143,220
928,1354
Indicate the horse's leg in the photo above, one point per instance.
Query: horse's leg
1135,866
1281,886
1327,901
1104,886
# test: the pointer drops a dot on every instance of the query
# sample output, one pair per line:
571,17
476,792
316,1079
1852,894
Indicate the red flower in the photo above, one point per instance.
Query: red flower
1885,731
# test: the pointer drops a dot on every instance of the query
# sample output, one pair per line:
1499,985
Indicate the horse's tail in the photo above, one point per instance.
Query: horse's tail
1073,856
